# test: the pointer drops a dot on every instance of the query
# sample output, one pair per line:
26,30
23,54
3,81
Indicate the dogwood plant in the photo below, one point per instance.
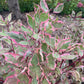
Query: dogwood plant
34,56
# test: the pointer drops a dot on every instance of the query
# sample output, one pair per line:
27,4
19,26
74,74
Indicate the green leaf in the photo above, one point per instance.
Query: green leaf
81,47
10,59
7,41
37,17
2,23
4,69
44,6
1,18
28,54
62,44
68,56
57,25
45,81
8,18
52,42
58,8
24,29
24,42
80,51
10,73
65,46
57,71
34,81
44,47
36,36
23,79
51,62
35,71
47,39
4,50
31,22
3,34
32,42
56,55
34,61
27,30
36,6
43,17
48,28
17,37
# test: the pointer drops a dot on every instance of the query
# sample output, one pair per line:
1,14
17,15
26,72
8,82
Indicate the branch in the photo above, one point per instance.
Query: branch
79,59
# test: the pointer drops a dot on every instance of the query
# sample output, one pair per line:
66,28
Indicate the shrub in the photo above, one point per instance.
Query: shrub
34,56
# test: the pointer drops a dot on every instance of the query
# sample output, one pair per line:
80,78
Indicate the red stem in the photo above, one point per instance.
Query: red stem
61,63
79,59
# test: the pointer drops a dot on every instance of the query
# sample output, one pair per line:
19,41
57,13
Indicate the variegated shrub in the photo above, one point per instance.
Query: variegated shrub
34,56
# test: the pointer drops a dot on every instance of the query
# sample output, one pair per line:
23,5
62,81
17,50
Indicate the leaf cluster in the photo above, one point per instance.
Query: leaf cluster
34,55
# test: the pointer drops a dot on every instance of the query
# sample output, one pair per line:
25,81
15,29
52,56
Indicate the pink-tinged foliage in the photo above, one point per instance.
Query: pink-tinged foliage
14,41
8,79
15,32
17,44
44,6
13,54
60,22
68,56
38,55
58,8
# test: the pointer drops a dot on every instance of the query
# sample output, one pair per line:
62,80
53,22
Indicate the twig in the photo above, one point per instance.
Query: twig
79,59
61,63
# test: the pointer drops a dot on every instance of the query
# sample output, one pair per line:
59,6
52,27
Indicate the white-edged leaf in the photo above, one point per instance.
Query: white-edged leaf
3,34
44,6
51,62
56,55
9,17
68,56
43,16
31,21
36,36
59,8
24,42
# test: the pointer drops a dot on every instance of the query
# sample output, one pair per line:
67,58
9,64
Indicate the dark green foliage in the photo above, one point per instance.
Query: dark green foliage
69,6
3,6
25,5
52,3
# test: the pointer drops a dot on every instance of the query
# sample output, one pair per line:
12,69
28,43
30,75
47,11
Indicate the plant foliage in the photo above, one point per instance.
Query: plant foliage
34,56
